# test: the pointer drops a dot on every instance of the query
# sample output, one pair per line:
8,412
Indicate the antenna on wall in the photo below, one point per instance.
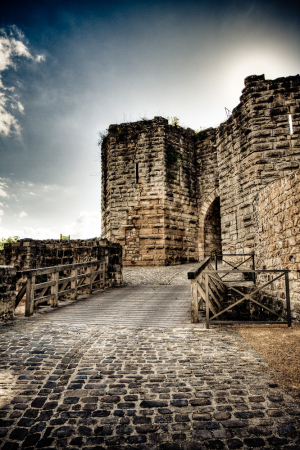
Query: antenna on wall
228,112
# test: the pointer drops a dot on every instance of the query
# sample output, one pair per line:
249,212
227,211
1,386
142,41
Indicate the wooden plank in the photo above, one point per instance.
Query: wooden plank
206,301
97,282
193,275
54,289
74,274
63,280
67,291
48,270
252,322
20,294
44,285
29,296
211,306
201,295
194,301
83,286
214,297
43,299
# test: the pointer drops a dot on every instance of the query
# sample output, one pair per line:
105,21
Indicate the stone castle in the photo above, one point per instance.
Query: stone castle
171,195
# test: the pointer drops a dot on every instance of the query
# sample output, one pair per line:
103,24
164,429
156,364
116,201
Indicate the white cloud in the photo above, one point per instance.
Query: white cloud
1,211
2,192
29,232
87,225
1,204
12,47
23,214
32,193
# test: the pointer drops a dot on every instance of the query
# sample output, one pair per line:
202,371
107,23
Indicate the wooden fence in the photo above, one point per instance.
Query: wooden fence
210,286
63,280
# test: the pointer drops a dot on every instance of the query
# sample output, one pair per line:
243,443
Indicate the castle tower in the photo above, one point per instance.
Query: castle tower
149,202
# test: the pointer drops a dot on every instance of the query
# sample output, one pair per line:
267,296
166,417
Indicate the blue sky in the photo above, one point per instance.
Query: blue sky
68,70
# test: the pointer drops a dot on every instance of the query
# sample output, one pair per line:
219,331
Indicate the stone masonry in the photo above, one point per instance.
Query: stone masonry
159,181
29,254
89,376
8,280
277,233
33,254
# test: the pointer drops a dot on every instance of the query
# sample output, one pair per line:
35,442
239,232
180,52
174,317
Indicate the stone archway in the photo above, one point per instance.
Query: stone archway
210,225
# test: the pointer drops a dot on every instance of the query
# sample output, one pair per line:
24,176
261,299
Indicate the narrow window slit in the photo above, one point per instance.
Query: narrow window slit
291,124
137,172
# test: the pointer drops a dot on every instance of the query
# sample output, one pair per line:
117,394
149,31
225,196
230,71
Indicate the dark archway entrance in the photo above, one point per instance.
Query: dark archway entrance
212,229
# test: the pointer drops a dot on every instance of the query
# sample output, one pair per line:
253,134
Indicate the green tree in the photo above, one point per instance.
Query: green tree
7,241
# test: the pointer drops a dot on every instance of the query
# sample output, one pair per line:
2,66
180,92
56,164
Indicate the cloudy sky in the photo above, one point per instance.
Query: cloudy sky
70,69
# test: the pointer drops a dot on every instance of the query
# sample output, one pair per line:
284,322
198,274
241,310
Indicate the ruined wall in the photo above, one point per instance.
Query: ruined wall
207,183
159,181
132,186
149,202
255,147
180,197
32,254
212,229
7,292
277,233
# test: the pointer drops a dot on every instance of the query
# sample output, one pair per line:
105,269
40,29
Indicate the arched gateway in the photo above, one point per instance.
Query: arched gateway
210,225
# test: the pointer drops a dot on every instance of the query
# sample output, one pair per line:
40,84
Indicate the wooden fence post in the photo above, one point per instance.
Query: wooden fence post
30,295
288,302
74,273
207,301
54,289
194,301
90,270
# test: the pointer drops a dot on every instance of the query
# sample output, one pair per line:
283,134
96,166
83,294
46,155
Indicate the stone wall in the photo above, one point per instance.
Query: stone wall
8,281
32,254
149,202
159,181
277,233
212,229
255,147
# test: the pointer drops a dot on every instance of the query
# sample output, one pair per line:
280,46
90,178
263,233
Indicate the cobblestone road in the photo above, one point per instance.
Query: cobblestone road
69,381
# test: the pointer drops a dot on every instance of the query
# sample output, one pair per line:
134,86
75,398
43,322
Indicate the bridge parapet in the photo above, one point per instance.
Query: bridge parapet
29,255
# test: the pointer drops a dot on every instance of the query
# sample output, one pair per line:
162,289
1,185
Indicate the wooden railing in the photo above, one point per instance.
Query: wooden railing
209,285
213,276
197,289
61,283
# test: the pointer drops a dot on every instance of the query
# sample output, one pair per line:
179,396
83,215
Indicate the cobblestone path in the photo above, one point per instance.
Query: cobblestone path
70,381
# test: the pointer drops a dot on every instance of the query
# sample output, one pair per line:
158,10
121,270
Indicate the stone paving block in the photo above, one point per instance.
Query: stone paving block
219,395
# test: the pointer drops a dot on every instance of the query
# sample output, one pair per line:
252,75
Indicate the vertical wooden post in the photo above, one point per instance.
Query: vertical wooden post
253,265
216,261
74,274
194,301
54,289
91,278
103,273
200,304
206,301
288,303
30,284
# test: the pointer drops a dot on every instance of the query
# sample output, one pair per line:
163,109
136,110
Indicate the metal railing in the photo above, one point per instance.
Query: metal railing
60,284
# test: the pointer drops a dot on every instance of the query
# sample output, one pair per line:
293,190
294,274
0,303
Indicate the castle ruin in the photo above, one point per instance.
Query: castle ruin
171,195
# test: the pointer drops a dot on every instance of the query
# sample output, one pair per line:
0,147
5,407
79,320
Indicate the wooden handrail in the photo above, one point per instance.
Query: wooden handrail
78,281
193,275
